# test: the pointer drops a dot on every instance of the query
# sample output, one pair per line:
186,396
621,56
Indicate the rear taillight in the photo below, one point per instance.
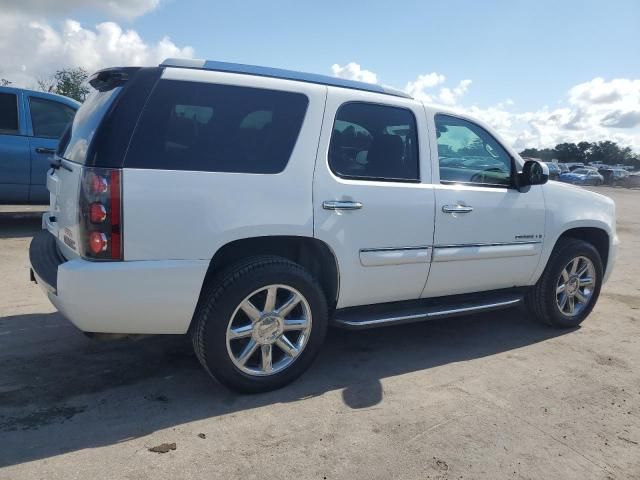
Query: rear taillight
101,214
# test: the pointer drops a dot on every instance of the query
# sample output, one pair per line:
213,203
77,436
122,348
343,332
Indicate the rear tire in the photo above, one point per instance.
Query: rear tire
567,292
247,334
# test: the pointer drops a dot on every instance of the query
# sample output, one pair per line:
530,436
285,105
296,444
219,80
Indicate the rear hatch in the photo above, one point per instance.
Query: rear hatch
89,157
64,178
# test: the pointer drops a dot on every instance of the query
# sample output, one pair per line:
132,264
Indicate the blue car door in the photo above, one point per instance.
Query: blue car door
14,149
47,119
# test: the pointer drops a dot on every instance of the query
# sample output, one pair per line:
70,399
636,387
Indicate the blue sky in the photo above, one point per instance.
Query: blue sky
532,52
538,71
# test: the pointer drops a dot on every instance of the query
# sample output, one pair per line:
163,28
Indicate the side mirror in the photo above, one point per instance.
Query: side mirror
533,173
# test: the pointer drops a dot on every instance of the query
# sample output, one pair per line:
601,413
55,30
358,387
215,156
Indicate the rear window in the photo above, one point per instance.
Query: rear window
8,113
75,143
217,128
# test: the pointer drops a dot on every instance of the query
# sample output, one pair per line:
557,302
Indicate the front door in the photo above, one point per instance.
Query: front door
373,201
488,235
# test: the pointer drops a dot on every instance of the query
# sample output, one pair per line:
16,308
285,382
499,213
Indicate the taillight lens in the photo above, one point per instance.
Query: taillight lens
97,212
98,242
101,214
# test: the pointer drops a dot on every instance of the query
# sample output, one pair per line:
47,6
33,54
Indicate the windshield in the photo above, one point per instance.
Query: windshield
85,125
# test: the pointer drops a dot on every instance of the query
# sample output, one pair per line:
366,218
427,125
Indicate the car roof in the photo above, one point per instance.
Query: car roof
46,95
280,73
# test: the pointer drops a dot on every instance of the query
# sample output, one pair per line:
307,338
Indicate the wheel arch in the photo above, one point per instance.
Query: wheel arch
596,236
313,254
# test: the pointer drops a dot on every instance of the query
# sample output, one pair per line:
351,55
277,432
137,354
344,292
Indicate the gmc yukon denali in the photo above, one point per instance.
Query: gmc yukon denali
252,207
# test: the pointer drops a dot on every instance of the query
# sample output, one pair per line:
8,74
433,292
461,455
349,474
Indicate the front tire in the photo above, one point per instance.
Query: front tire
568,289
260,324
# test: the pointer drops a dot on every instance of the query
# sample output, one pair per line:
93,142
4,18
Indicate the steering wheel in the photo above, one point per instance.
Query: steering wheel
481,177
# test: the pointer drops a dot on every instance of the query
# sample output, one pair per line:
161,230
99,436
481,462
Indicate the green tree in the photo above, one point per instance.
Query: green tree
4,82
70,82
569,152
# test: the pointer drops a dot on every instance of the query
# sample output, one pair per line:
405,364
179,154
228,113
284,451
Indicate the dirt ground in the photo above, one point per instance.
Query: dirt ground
486,396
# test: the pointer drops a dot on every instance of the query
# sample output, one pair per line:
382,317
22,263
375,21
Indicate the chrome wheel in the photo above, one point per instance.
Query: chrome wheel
268,330
575,286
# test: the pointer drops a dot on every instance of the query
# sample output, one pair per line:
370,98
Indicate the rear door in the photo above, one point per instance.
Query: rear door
488,234
14,149
373,201
47,120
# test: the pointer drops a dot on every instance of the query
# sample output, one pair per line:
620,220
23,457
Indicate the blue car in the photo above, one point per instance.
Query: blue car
582,176
30,125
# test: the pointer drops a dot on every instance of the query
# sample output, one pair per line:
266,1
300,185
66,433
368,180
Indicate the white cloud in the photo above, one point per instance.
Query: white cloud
450,96
42,8
353,71
420,87
592,111
32,49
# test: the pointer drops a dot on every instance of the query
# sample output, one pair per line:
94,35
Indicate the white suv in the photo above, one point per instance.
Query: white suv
252,207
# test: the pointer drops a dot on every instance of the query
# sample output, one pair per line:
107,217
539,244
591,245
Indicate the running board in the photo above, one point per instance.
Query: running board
395,313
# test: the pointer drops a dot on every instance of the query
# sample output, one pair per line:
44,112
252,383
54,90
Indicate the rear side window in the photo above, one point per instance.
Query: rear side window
374,142
49,119
8,114
217,128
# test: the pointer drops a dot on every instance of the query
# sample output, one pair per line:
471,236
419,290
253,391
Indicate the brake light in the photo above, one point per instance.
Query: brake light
98,184
101,214
97,212
97,242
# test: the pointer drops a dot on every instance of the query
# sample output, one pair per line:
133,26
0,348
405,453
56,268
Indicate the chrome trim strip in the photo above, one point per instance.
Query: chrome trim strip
428,315
386,249
496,244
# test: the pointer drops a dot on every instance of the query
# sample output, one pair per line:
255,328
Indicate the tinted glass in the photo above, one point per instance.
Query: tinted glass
49,119
8,113
217,128
469,154
374,142
85,124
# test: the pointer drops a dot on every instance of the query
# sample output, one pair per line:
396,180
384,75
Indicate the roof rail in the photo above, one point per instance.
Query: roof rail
280,73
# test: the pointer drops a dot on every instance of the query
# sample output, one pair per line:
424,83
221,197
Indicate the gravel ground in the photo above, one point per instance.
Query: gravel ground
485,396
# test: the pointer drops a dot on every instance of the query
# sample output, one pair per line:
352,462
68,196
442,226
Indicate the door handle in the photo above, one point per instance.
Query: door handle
341,205
457,209
45,150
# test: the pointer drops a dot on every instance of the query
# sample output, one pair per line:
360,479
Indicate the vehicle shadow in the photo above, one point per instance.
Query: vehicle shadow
20,225
56,383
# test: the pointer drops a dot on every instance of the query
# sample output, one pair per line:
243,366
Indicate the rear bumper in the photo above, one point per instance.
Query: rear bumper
138,297
45,259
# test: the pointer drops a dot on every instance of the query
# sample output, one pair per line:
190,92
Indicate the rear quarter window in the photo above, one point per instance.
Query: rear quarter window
217,128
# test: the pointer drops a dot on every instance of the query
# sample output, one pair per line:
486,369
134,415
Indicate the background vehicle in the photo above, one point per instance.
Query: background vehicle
613,176
632,181
299,201
563,167
574,165
582,176
554,170
30,126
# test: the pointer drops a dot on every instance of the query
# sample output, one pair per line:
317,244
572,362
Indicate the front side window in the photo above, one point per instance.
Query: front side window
8,114
217,128
374,142
469,154
49,119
